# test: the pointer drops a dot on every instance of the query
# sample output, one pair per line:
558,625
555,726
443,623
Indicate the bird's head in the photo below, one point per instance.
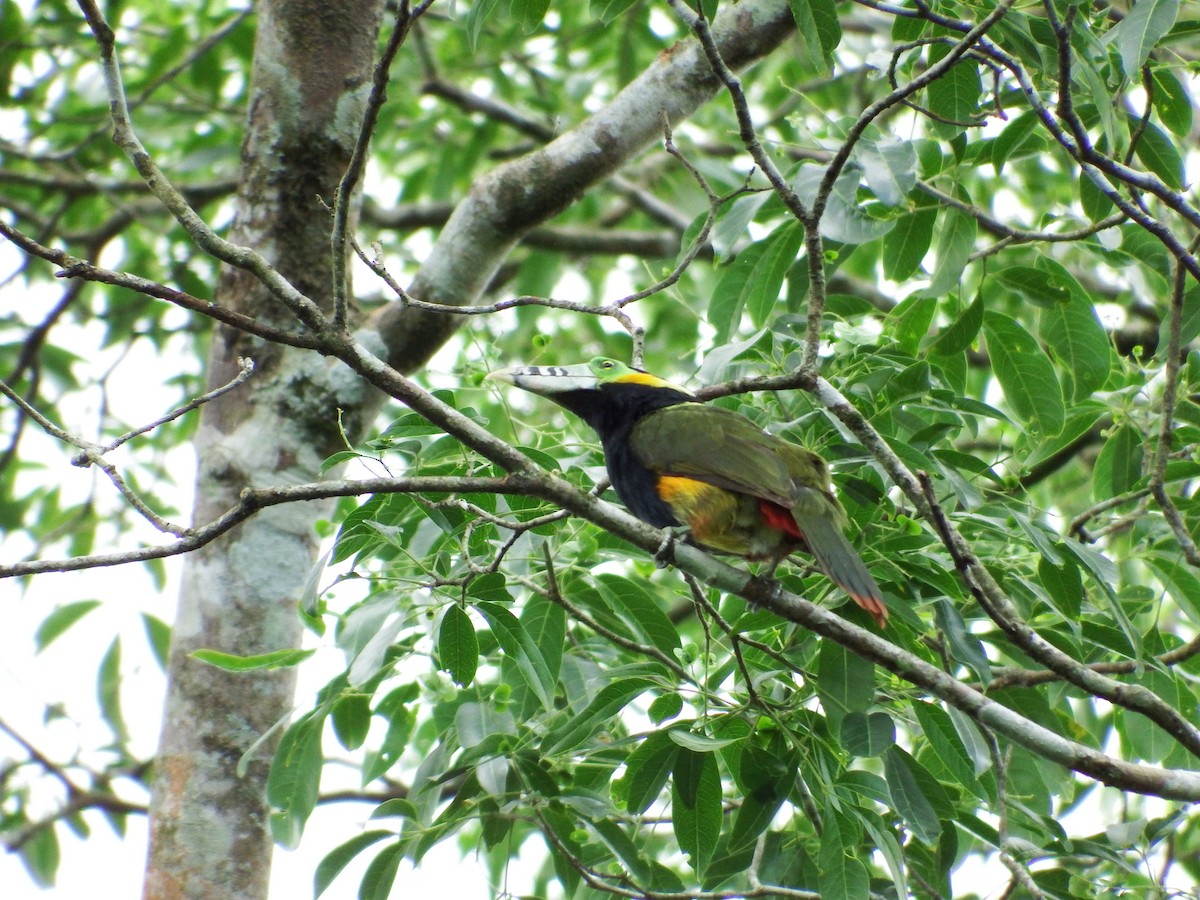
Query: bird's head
594,389
549,381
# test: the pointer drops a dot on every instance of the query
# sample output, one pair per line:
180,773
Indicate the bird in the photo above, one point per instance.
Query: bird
679,463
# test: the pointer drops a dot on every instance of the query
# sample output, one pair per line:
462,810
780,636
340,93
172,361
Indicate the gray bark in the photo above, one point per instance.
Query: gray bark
209,828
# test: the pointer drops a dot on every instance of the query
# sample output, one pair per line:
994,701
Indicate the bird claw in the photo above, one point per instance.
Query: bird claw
665,554
761,590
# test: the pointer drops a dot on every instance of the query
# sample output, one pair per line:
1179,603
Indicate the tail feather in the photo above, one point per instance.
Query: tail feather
840,561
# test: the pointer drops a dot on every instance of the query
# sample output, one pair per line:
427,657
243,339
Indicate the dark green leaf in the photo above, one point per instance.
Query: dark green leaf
1077,340
647,769
1159,154
608,10
1119,464
908,797
519,646
948,748
842,874
1025,374
609,701
1171,101
295,778
338,858
905,246
378,880
845,681
962,332
867,735
351,717
696,806
458,645
766,280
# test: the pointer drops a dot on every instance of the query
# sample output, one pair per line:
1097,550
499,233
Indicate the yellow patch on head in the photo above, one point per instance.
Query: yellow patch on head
636,377
613,372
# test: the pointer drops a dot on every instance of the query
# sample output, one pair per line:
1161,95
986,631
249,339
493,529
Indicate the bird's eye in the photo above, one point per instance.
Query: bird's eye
607,364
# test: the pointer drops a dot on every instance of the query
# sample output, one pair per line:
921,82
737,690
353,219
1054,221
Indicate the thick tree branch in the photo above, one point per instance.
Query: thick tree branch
504,204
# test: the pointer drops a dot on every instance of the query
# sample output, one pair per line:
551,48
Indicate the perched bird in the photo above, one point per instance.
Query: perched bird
675,461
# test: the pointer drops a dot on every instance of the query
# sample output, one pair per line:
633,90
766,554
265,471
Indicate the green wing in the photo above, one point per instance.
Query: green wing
724,448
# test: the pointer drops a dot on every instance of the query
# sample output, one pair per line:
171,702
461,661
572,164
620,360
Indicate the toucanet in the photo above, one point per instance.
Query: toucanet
675,461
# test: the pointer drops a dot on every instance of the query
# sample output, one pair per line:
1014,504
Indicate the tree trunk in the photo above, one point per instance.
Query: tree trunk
209,827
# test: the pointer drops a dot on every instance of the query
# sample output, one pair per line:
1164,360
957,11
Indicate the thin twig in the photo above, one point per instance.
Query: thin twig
405,17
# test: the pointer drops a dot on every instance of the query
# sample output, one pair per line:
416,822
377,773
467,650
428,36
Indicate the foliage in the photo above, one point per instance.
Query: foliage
1002,292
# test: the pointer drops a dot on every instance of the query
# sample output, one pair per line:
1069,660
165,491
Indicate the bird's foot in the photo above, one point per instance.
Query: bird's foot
761,590
665,554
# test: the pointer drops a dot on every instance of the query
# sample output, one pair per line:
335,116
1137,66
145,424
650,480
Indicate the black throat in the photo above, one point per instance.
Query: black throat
613,410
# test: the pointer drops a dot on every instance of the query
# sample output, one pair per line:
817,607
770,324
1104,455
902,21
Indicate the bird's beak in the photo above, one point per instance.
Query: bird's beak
547,380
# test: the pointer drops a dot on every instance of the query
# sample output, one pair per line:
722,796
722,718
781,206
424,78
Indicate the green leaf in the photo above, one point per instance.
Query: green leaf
701,743
647,769
1035,285
1158,153
351,718
40,855
905,246
108,691
845,682
638,608
696,806
339,857
963,645
458,645
1078,341
908,797
1148,741
529,13
1171,101
961,333
230,662
401,719
844,219
1022,133
668,706
890,171
545,622
909,322
948,748
62,618
1119,464
1177,580
1141,29
729,296
295,778
867,735
955,96
608,10
956,241
608,702
841,873
380,877
519,646
1096,205
1025,373
766,280
816,42
158,634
